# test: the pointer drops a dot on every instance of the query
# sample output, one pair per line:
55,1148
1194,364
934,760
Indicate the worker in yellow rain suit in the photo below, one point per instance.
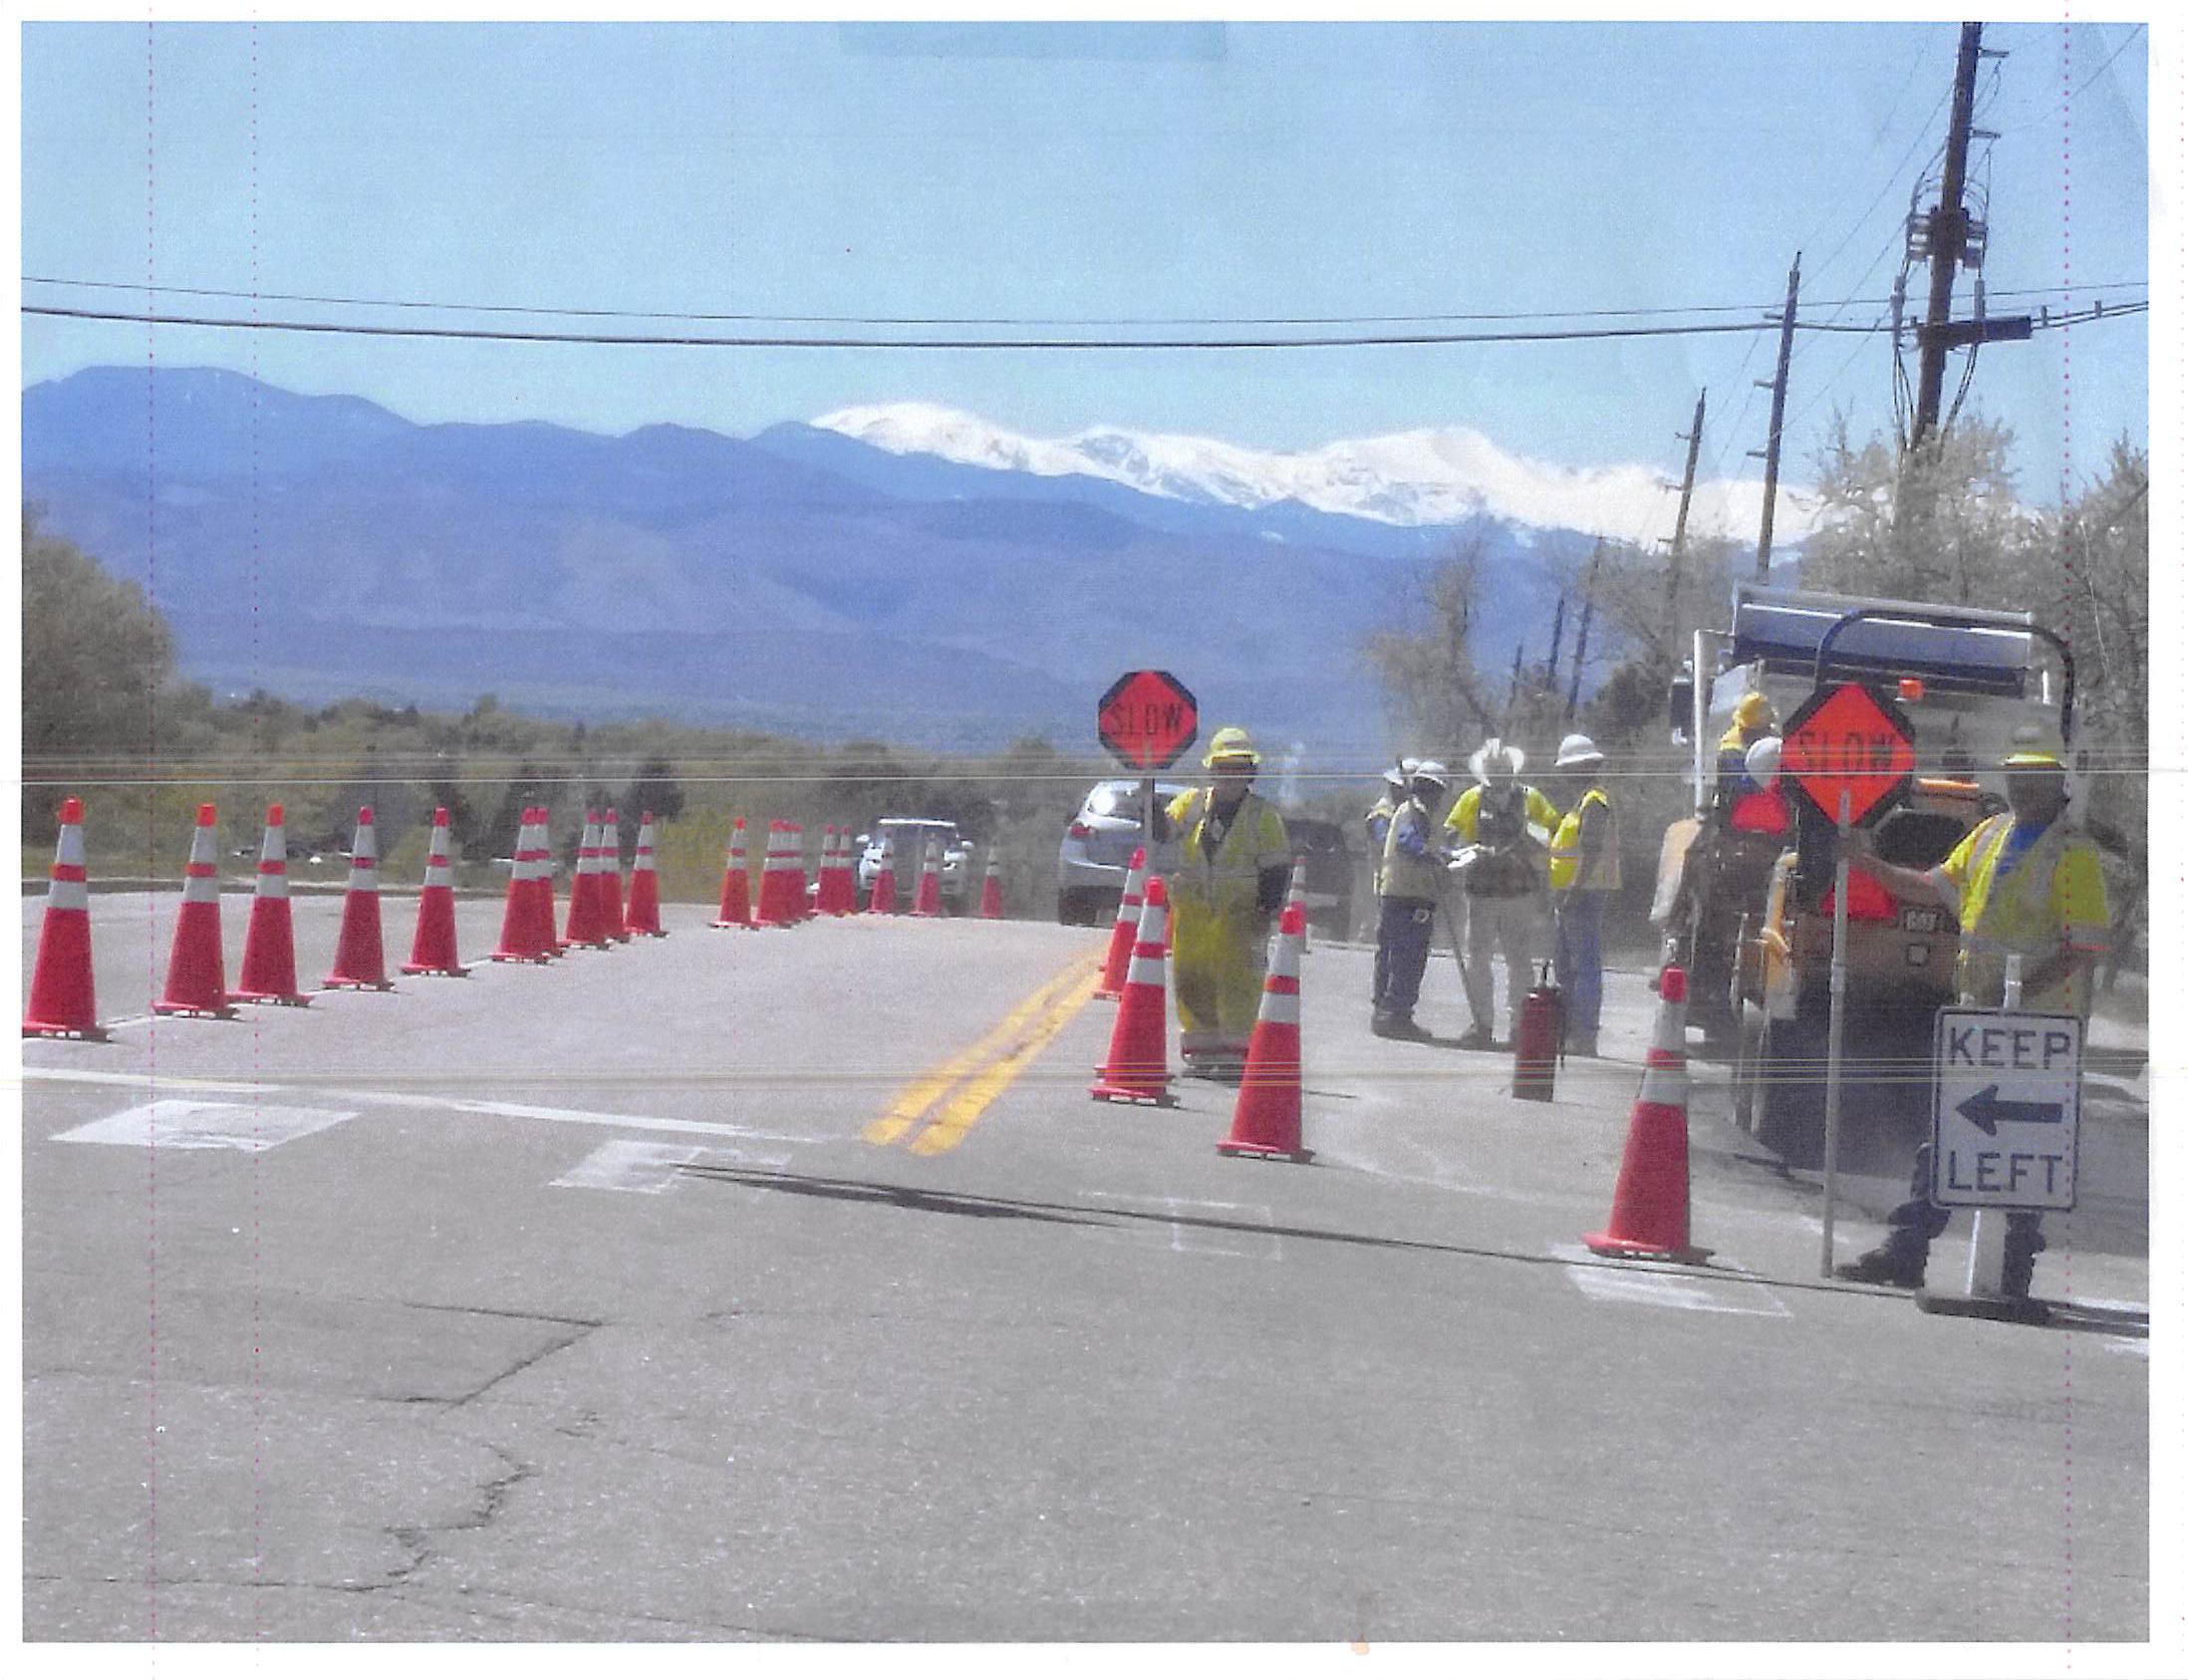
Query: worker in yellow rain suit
1233,869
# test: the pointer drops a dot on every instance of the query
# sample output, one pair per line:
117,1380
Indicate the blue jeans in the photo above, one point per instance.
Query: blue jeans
1918,1222
1581,961
1402,938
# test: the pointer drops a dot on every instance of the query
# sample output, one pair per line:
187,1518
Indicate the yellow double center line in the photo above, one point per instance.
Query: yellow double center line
974,1077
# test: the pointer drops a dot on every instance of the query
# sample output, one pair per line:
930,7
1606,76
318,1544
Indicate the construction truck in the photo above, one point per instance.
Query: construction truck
1749,914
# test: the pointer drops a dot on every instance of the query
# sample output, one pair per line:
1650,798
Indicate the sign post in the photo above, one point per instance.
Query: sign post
1849,752
1147,719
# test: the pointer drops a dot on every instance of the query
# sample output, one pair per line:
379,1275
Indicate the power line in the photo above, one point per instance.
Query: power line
786,341
600,313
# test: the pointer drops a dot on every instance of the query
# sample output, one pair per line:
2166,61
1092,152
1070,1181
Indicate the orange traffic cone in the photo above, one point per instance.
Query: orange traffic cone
1267,1120
778,895
736,884
1298,896
197,974
520,930
882,901
929,900
843,886
611,879
583,924
1138,1068
433,946
644,916
1127,928
269,942
799,888
991,888
1649,1209
360,963
63,1001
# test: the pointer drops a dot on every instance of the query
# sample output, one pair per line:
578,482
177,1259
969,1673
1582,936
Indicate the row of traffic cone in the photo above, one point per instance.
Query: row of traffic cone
784,899
1267,1121
63,997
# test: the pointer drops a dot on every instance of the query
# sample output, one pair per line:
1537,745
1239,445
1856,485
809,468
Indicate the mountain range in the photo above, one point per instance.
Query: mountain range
904,572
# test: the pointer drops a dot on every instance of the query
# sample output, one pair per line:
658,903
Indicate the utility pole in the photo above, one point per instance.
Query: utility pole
1580,643
1948,235
1776,389
1557,641
1679,528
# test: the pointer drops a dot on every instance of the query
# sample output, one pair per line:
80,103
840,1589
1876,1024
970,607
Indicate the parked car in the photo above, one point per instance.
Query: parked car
909,837
1330,869
1097,849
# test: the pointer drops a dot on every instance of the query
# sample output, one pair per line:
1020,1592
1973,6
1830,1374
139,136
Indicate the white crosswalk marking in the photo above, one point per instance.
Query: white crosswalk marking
1630,1283
189,1123
637,1167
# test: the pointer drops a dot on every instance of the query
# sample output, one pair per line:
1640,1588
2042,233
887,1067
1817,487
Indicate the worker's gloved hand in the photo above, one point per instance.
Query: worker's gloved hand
1270,888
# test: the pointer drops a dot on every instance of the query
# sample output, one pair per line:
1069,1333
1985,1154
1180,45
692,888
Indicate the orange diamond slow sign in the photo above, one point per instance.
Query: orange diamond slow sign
1848,739
1147,719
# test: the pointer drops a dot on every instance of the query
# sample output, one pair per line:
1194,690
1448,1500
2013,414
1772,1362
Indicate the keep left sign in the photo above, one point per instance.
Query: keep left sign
2007,1114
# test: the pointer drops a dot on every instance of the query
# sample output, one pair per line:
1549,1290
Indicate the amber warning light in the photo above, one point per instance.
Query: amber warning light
1910,687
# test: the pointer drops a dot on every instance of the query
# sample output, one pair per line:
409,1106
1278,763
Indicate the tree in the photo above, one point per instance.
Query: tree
1939,524
97,657
1438,695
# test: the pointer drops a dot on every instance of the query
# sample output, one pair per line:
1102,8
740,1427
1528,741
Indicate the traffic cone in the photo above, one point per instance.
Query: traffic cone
611,879
583,924
929,900
736,884
543,882
1649,1209
269,942
1297,896
1127,928
779,898
197,974
1138,1068
433,946
644,914
843,886
799,889
63,1001
360,963
1267,1120
521,926
991,888
882,901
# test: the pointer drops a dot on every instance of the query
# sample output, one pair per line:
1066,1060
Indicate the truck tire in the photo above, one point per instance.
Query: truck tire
1789,1086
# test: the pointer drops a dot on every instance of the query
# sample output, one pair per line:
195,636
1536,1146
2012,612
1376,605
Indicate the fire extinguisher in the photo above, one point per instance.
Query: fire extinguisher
1540,1041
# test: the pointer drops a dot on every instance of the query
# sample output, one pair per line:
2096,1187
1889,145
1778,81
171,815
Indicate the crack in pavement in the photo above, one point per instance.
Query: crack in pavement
524,1362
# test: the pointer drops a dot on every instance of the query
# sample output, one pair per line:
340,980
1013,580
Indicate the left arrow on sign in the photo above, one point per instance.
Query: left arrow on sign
1987,1108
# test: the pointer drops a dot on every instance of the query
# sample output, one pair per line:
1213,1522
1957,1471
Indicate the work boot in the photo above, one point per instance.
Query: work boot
1401,1026
2018,1271
1885,1264
1476,1038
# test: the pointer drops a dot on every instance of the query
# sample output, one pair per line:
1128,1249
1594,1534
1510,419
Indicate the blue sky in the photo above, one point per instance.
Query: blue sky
1093,172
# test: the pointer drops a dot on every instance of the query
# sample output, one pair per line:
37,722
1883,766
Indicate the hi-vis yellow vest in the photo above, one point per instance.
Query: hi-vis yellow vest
1226,880
1603,873
2052,896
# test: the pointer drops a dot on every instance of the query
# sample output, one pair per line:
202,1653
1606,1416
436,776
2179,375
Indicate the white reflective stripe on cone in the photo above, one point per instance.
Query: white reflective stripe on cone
364,861
70,848
1665,1086
68,891
273,864
1281,1009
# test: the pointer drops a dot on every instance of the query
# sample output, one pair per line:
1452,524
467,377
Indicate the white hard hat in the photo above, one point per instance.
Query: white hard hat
1577,749
1399,774
1428,769
1494,761
1763,761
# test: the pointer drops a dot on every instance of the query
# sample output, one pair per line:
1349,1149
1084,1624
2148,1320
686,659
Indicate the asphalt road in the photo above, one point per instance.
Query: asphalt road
787,1286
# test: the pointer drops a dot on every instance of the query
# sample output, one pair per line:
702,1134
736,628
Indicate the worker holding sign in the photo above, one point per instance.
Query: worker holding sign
2023,883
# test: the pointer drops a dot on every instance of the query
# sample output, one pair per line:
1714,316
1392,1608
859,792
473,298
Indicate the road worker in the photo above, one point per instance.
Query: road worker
1583,874
1501,865
1750,805
2026,883
1396,782
1233,869
1413,876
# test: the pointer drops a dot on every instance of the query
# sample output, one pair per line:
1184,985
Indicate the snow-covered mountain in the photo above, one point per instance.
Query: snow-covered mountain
1438,476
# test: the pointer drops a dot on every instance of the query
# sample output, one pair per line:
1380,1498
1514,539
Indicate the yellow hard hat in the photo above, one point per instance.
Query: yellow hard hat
1751,709
1231,742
